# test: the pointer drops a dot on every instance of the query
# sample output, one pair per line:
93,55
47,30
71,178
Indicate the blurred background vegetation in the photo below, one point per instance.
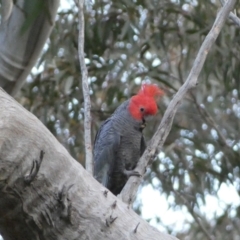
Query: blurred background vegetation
130,42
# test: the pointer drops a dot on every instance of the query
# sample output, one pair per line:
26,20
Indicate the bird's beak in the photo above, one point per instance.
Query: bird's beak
143,124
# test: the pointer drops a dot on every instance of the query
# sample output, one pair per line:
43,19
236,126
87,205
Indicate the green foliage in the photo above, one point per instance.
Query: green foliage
127,42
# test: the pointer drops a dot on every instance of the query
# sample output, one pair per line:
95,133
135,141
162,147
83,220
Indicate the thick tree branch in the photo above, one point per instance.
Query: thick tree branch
61,200
6,9
20,49
129,192
85,88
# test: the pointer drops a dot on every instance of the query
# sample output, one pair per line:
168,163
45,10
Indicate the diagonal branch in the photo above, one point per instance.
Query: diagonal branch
232,16
129,192
85,88
209,119
196,217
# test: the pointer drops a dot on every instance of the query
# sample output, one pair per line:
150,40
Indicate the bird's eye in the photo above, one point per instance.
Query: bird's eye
141,109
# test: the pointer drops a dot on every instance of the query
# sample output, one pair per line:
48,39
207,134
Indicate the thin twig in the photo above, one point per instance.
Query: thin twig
232,16
129,191
195,216
85,88
209,119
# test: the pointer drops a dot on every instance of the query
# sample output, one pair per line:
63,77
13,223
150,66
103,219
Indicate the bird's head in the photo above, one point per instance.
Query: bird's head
144,103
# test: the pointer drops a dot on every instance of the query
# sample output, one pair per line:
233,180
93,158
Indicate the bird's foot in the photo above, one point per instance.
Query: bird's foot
130,173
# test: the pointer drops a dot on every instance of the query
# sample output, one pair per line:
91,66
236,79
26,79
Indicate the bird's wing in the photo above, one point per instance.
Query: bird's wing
106,145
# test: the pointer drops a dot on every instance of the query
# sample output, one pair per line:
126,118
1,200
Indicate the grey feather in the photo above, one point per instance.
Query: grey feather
118,146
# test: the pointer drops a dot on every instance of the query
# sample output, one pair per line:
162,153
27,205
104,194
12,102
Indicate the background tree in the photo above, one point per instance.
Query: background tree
131,42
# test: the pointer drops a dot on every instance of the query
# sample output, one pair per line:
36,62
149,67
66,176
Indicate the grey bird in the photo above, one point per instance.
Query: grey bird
119,143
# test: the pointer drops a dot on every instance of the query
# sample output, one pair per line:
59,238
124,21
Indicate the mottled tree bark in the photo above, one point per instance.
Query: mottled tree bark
46,194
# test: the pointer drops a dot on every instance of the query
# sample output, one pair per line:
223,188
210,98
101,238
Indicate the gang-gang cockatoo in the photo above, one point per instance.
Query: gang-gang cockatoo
119,142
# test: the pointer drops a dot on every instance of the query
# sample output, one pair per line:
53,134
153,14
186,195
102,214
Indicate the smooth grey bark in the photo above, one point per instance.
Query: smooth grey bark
19,50
61,200
85,87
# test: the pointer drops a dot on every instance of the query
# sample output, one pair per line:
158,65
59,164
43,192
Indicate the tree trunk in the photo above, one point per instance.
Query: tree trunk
61,200
23,34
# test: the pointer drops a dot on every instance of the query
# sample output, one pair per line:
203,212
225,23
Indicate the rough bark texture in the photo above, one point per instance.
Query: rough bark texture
61,200
19,50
